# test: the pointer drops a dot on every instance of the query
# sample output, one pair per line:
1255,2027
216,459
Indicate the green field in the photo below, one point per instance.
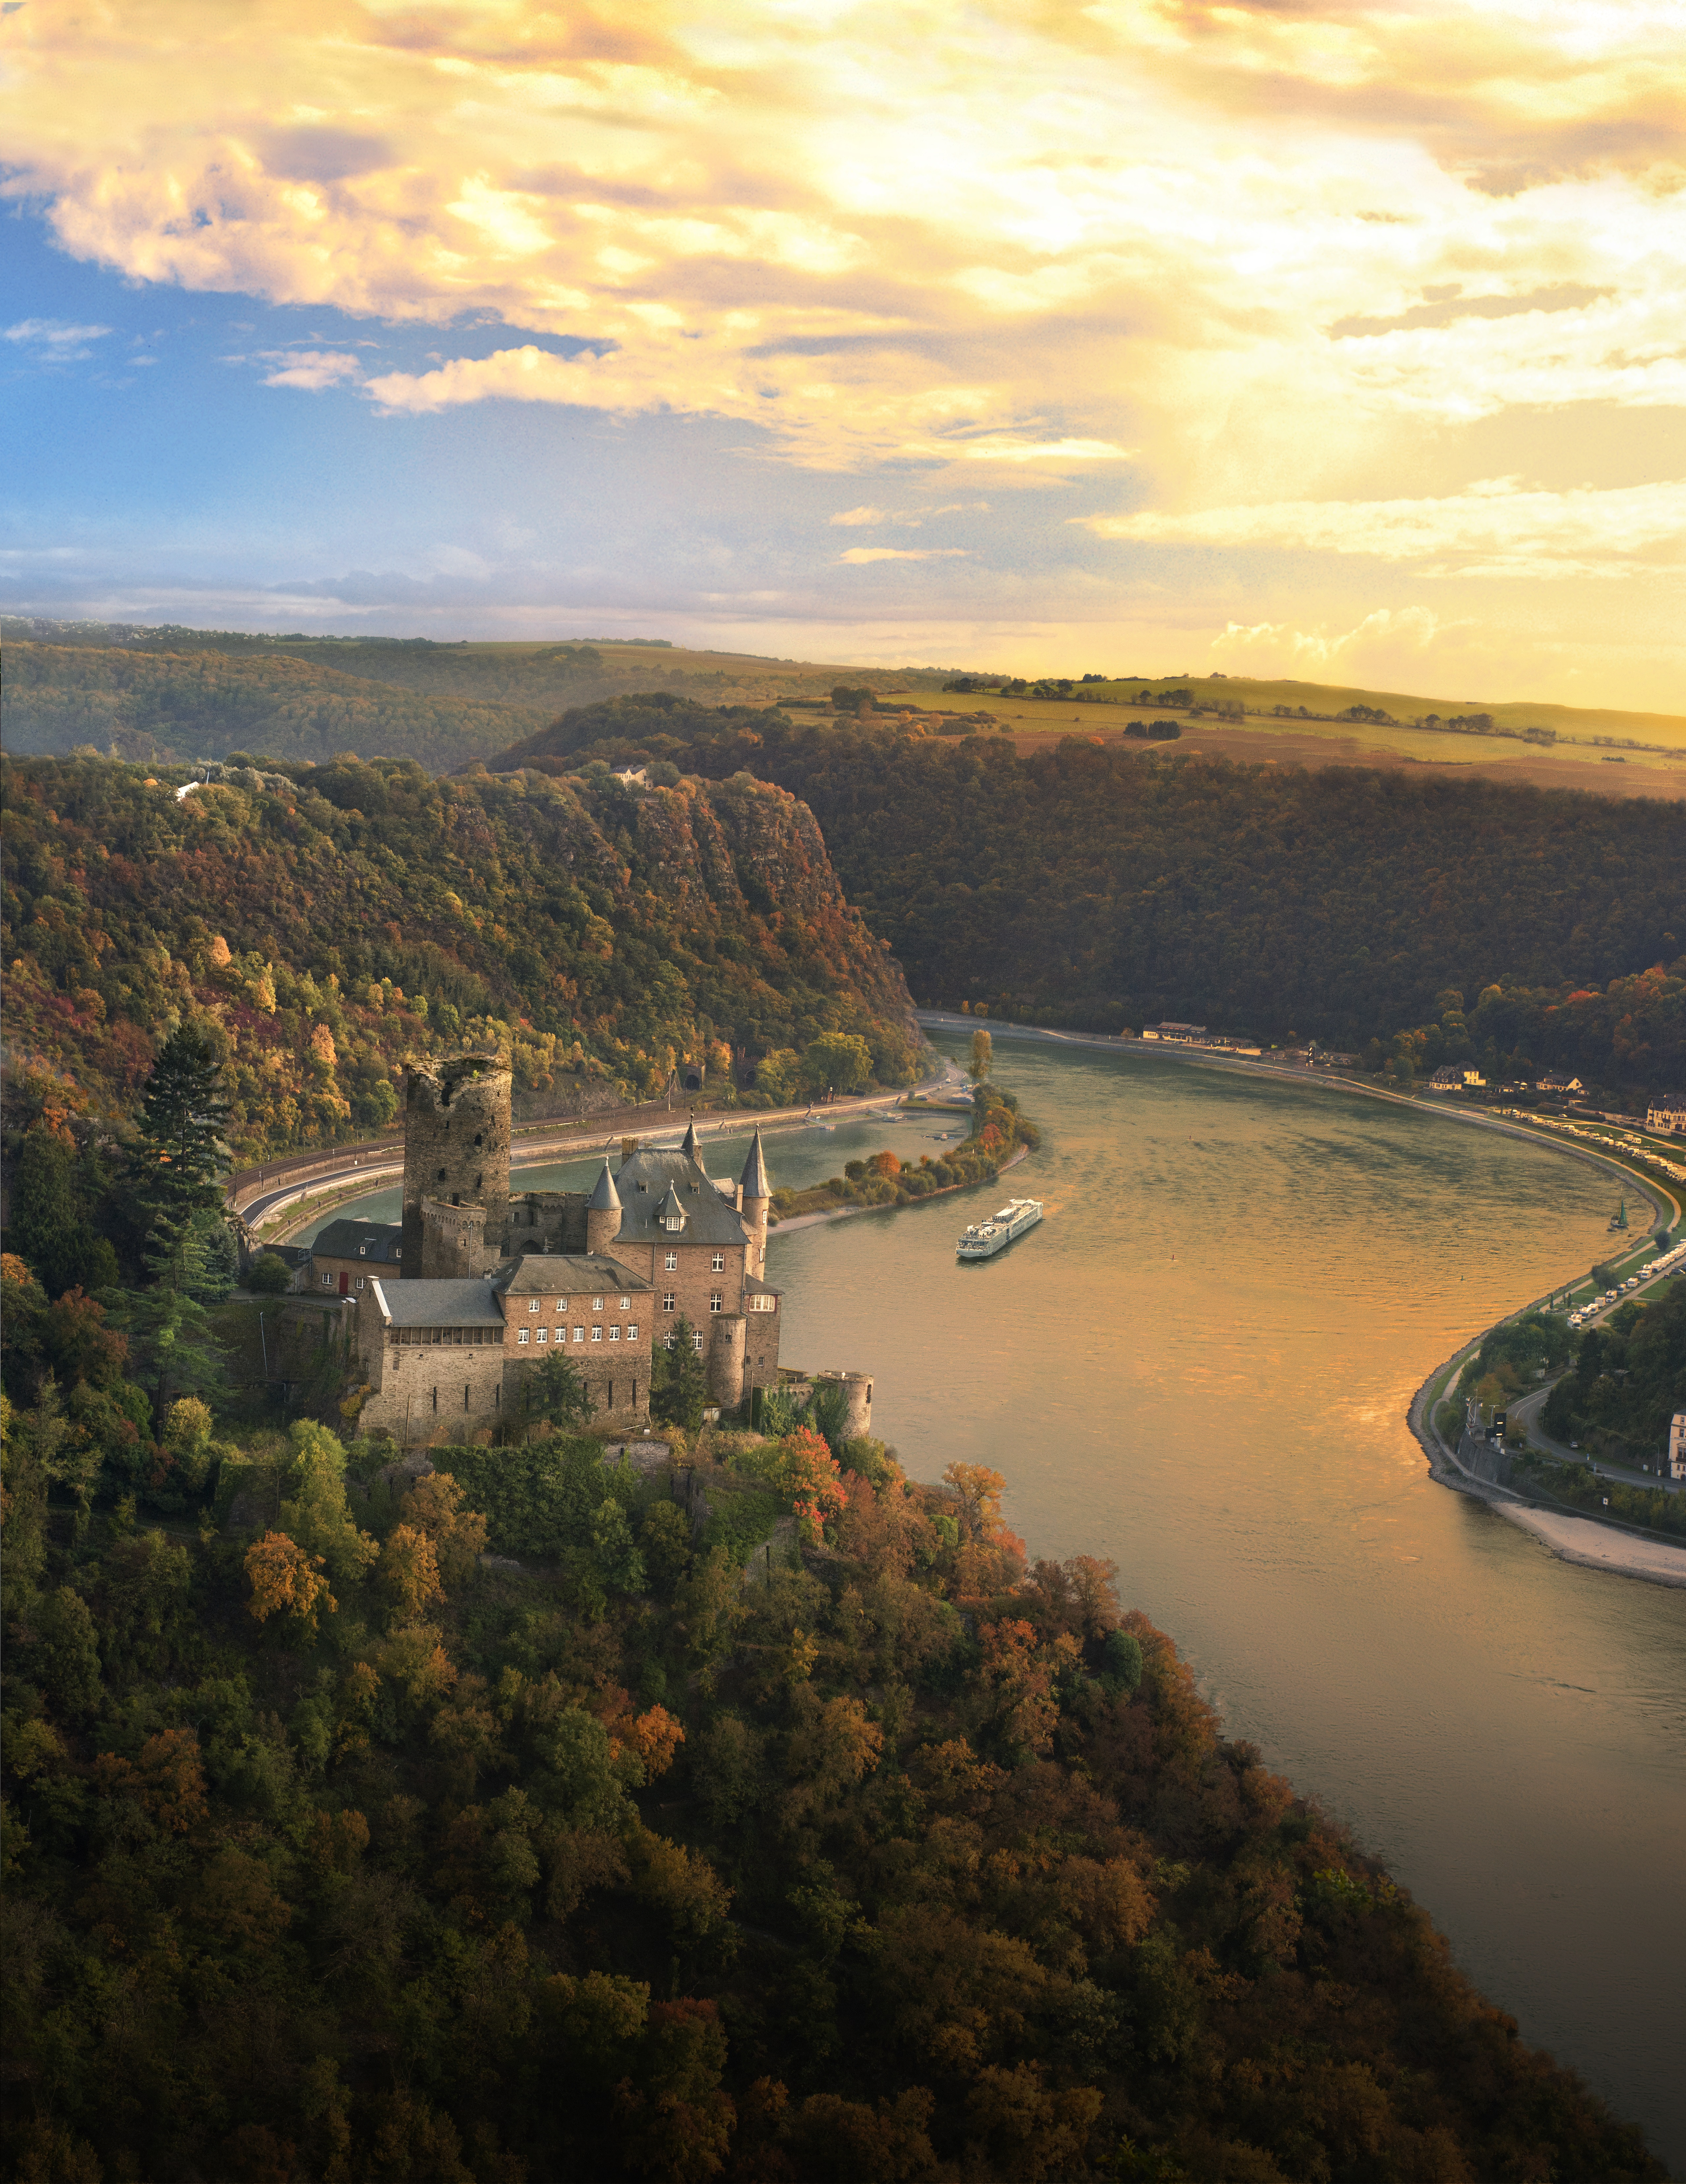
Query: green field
194,693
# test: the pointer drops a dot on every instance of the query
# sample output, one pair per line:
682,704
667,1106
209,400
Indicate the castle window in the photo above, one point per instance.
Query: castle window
327,1281
436,1399
362,1251
479,1138
715,1301
614,1334
719,1262
579,1332
667,1300
761,1304
464,1395
544,1335
673,1262
597,1334
632,1330
442,1175
561,1304
625,1303
696,1344
522,1336
597,1303
533,1303
398,1251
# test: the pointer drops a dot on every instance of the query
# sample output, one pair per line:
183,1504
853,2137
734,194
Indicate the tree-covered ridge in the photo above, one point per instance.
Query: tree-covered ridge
135,704
1099,890
588,929
334,1854
187,695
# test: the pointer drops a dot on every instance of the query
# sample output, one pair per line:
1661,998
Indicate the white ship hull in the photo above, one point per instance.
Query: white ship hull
985,1238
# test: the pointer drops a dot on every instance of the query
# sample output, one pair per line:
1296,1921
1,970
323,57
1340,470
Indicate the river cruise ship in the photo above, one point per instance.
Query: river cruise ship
983,1238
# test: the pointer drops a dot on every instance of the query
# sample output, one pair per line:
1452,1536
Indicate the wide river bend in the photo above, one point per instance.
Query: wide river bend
1200,1366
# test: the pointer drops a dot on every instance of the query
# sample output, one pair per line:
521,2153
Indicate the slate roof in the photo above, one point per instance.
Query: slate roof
377,1241
604,1198
755,1181
555,1273
643,1182
691,1149
438,1304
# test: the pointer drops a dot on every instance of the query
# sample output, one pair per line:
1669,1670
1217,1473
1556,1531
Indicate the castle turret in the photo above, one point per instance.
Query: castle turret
602,1214
691,1149
754,1195
456,1145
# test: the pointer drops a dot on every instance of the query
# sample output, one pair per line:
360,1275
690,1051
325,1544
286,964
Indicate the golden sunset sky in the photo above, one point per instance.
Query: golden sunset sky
1343,341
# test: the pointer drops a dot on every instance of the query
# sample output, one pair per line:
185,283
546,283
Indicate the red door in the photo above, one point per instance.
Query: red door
345,1284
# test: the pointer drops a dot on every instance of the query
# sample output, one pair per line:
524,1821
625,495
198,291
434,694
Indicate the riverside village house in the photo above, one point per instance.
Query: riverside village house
478,1285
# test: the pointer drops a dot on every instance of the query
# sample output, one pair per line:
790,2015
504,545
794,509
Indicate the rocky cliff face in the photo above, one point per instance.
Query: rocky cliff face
356,914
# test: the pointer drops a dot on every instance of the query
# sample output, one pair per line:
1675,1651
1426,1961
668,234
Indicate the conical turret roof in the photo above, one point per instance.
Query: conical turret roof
605,1199
755,1183
691,1149
672,1214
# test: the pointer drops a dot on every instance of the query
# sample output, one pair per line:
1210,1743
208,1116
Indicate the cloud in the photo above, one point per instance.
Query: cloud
1388,639
1493,528
856,555
1034,238
311,368
55,340
851,516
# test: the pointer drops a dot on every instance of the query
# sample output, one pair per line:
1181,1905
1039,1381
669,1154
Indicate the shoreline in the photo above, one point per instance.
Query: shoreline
1589,1541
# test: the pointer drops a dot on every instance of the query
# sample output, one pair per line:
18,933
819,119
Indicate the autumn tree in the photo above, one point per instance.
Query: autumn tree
286,1580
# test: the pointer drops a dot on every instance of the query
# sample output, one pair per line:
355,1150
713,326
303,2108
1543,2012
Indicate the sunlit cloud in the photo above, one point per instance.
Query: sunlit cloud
1278,276
905,232
856,555
313,369
1496,528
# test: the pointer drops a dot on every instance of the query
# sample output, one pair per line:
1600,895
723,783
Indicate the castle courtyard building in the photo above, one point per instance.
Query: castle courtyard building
480,1286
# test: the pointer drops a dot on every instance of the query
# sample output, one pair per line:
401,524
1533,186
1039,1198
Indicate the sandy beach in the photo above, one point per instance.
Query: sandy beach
1597,1546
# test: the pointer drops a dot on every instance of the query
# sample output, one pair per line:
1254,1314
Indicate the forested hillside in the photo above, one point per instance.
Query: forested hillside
587,929
187,694
136,704
1099,888
335,1854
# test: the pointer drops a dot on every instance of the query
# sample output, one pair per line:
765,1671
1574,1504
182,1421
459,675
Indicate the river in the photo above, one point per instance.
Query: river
1199,1365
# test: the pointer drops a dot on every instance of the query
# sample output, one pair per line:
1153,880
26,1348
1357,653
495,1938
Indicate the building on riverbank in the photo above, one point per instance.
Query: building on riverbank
616,1269
1667,1114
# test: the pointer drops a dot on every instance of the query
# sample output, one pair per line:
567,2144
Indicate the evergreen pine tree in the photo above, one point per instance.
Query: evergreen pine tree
183,1113
678,1381
48,1228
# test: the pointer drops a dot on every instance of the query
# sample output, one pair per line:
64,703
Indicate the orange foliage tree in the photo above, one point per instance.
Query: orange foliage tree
286,1581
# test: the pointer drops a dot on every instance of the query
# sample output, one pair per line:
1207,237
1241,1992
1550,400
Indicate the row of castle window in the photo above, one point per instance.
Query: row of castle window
537,1304
671,1262
696,1341
541,1335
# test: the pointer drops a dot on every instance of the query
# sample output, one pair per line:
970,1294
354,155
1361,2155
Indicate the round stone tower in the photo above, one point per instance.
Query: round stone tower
858,1394
602,1215
456,1148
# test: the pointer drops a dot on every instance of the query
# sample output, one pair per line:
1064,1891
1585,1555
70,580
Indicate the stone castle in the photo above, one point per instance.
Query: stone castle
491,1284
